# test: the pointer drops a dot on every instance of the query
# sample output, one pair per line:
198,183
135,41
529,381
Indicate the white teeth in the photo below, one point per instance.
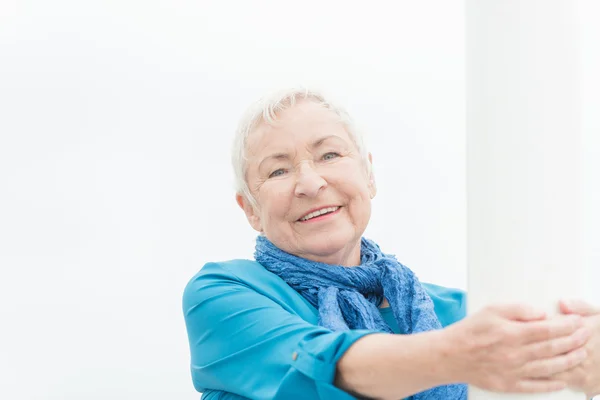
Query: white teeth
319,212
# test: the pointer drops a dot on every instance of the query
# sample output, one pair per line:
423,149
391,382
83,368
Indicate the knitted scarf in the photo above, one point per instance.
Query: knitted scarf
349,297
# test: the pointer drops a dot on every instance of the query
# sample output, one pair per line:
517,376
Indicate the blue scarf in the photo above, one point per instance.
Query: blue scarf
349,297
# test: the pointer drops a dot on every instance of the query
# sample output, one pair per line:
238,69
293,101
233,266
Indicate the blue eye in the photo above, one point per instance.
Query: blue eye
277,173
330,156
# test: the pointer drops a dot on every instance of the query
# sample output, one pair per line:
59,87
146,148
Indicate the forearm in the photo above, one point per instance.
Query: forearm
385,366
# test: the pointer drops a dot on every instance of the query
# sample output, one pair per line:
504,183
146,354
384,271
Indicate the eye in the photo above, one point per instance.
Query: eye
277,172
330,156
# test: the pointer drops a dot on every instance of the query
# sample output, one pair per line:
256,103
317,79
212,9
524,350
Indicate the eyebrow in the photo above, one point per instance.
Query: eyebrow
320,141
286,156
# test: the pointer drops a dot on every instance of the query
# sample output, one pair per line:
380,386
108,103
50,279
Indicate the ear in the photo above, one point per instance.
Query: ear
372,184
251,213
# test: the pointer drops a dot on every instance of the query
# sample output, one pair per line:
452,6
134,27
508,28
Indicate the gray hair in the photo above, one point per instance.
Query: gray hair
265,110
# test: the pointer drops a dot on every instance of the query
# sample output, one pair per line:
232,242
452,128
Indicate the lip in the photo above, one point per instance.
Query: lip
320,217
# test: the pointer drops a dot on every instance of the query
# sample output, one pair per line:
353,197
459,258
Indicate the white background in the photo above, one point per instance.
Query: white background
116,121
116,187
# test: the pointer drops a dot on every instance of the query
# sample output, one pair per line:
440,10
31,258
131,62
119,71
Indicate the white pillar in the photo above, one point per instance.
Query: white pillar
525,166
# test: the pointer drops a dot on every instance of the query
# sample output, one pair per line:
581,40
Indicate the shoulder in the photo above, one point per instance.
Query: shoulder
228,274
232,269
218,278
244,272
450,303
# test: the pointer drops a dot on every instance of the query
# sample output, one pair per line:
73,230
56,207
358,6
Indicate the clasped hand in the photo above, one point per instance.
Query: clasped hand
585,376
516,348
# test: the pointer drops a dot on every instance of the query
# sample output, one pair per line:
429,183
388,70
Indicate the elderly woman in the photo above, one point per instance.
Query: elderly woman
324,313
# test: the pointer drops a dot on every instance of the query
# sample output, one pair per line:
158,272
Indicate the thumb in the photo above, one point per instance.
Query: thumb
578,307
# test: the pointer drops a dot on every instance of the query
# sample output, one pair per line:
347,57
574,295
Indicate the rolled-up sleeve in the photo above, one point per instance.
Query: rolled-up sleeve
247,345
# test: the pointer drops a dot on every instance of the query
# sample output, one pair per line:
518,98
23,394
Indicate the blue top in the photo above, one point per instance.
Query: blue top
253,336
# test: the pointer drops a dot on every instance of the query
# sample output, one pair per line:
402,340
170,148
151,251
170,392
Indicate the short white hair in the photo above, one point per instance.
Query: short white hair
265,110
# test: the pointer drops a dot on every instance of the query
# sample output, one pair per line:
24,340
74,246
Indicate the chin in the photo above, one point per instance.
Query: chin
328,245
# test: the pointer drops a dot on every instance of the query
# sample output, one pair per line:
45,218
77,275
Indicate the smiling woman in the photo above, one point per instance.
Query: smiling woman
322,312
303,165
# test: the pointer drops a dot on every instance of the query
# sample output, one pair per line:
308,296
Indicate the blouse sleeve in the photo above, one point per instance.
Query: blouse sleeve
246,344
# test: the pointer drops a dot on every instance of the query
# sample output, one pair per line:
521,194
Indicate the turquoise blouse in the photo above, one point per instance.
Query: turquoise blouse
253,336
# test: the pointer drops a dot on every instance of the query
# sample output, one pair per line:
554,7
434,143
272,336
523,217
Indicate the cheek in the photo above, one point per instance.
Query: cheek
354,189
352,180
275,205
359,200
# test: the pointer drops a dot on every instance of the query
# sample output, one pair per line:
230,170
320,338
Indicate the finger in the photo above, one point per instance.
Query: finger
578,307
559,326
575,378
561,345
540,386
519,312
551,366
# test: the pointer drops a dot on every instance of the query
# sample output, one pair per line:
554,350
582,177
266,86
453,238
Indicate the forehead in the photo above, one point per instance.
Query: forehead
296,126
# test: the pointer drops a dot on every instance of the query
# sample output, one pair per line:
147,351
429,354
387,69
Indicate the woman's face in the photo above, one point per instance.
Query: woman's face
307,162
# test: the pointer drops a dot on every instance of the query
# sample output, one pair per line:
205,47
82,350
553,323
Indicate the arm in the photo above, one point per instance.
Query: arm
507,348
373,365
244,343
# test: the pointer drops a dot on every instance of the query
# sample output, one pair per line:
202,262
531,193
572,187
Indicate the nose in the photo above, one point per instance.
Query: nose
309,182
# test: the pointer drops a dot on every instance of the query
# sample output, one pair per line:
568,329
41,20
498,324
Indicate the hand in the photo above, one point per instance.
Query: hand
514,348
586,376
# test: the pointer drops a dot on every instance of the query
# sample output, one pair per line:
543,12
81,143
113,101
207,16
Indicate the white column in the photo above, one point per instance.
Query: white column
525,158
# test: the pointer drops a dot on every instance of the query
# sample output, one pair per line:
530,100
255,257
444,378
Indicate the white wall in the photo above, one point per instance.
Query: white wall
533,156
588,12
116,119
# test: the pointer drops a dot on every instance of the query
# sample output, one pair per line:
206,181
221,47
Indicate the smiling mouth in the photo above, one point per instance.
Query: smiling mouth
319,214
